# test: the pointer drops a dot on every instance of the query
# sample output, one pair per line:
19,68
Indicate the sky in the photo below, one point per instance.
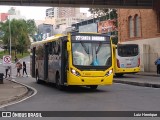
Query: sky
36,13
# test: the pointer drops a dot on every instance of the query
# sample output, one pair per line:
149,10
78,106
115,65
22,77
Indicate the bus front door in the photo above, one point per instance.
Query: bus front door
33,62
64,60
46,52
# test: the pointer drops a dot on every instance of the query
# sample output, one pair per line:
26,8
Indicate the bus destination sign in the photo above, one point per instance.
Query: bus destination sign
91,38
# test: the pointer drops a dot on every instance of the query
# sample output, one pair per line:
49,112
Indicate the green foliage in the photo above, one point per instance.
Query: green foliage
115,40
106,14
99,12
20,31
31,27
19,56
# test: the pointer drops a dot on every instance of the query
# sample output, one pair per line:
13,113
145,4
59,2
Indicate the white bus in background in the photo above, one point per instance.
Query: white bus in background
126,59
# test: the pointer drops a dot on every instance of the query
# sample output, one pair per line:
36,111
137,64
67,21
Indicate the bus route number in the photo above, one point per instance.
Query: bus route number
93,38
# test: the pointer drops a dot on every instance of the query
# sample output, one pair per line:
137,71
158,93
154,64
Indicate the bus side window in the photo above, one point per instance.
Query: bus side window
53,49
50,48
109,61
39,52
57,47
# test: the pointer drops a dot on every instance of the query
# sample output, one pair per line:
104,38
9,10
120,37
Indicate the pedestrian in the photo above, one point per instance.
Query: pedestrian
16,59
24,69
7,69
19,67
157,62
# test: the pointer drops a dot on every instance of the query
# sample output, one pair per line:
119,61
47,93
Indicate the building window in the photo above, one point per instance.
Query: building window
137,26
158,21
131,27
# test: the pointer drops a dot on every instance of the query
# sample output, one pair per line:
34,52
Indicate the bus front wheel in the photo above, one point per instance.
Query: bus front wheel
119,74
37,78
93,87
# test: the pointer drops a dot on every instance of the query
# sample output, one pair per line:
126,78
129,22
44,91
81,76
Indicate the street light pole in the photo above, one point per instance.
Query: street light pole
110,13
10,35
10,47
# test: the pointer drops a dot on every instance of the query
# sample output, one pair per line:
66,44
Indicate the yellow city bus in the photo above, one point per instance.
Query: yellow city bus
126,59
84,59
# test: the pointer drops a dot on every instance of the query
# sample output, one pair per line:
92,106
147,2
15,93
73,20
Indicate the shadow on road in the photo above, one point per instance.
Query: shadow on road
74,89
127,76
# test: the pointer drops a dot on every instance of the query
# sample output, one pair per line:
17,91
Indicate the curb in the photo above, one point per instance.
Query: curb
155,75
138,83
30,90
17,97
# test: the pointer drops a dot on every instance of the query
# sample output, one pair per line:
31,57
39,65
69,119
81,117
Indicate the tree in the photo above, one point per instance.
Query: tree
99,12
108,14
31,27
23,41
20,31
5,29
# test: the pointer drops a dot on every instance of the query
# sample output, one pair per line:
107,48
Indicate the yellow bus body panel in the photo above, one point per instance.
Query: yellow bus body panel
90,78
127,70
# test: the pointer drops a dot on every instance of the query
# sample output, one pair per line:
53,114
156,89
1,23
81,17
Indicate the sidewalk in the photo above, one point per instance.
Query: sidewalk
155,83
147,74
11,91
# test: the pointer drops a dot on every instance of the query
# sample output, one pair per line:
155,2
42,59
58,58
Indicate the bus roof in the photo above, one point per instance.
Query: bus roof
91,33
127,44
49,39
55,37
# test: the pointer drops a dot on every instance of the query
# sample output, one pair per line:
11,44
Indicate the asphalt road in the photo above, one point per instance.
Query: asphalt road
118,97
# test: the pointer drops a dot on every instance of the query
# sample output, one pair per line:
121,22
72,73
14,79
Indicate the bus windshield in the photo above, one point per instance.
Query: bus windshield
91,53
127,50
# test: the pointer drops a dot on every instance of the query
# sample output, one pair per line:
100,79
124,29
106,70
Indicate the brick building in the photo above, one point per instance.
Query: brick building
141,26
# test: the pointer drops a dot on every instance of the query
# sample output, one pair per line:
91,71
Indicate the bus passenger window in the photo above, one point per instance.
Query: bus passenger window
53,50
109,61
56,48
59,48
50,48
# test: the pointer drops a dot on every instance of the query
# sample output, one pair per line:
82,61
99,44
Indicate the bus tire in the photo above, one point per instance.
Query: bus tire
37,78
119,74
58,85
93,87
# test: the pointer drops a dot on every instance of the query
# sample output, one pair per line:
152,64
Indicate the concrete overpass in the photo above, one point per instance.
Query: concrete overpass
85,3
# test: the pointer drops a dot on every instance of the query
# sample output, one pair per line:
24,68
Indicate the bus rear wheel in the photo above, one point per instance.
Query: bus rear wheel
93,87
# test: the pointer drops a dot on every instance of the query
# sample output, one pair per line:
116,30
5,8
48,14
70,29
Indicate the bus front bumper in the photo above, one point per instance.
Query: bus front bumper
127,70
79,80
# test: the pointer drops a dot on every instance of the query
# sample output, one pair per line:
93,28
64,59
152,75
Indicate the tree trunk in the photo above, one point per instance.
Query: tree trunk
15,54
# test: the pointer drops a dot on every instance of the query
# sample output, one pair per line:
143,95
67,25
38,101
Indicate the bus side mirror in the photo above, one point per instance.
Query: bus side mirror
68,46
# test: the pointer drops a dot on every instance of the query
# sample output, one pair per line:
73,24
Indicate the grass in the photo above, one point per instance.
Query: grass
19,55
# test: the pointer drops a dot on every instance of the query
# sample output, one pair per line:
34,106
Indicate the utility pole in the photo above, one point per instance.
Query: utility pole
109,27
10,35
10,46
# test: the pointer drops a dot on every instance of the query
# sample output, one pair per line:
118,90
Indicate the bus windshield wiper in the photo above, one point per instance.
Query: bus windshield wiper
85,48
99,46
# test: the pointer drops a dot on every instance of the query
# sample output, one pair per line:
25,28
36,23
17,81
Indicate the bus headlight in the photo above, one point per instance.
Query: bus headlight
109,72
75,72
